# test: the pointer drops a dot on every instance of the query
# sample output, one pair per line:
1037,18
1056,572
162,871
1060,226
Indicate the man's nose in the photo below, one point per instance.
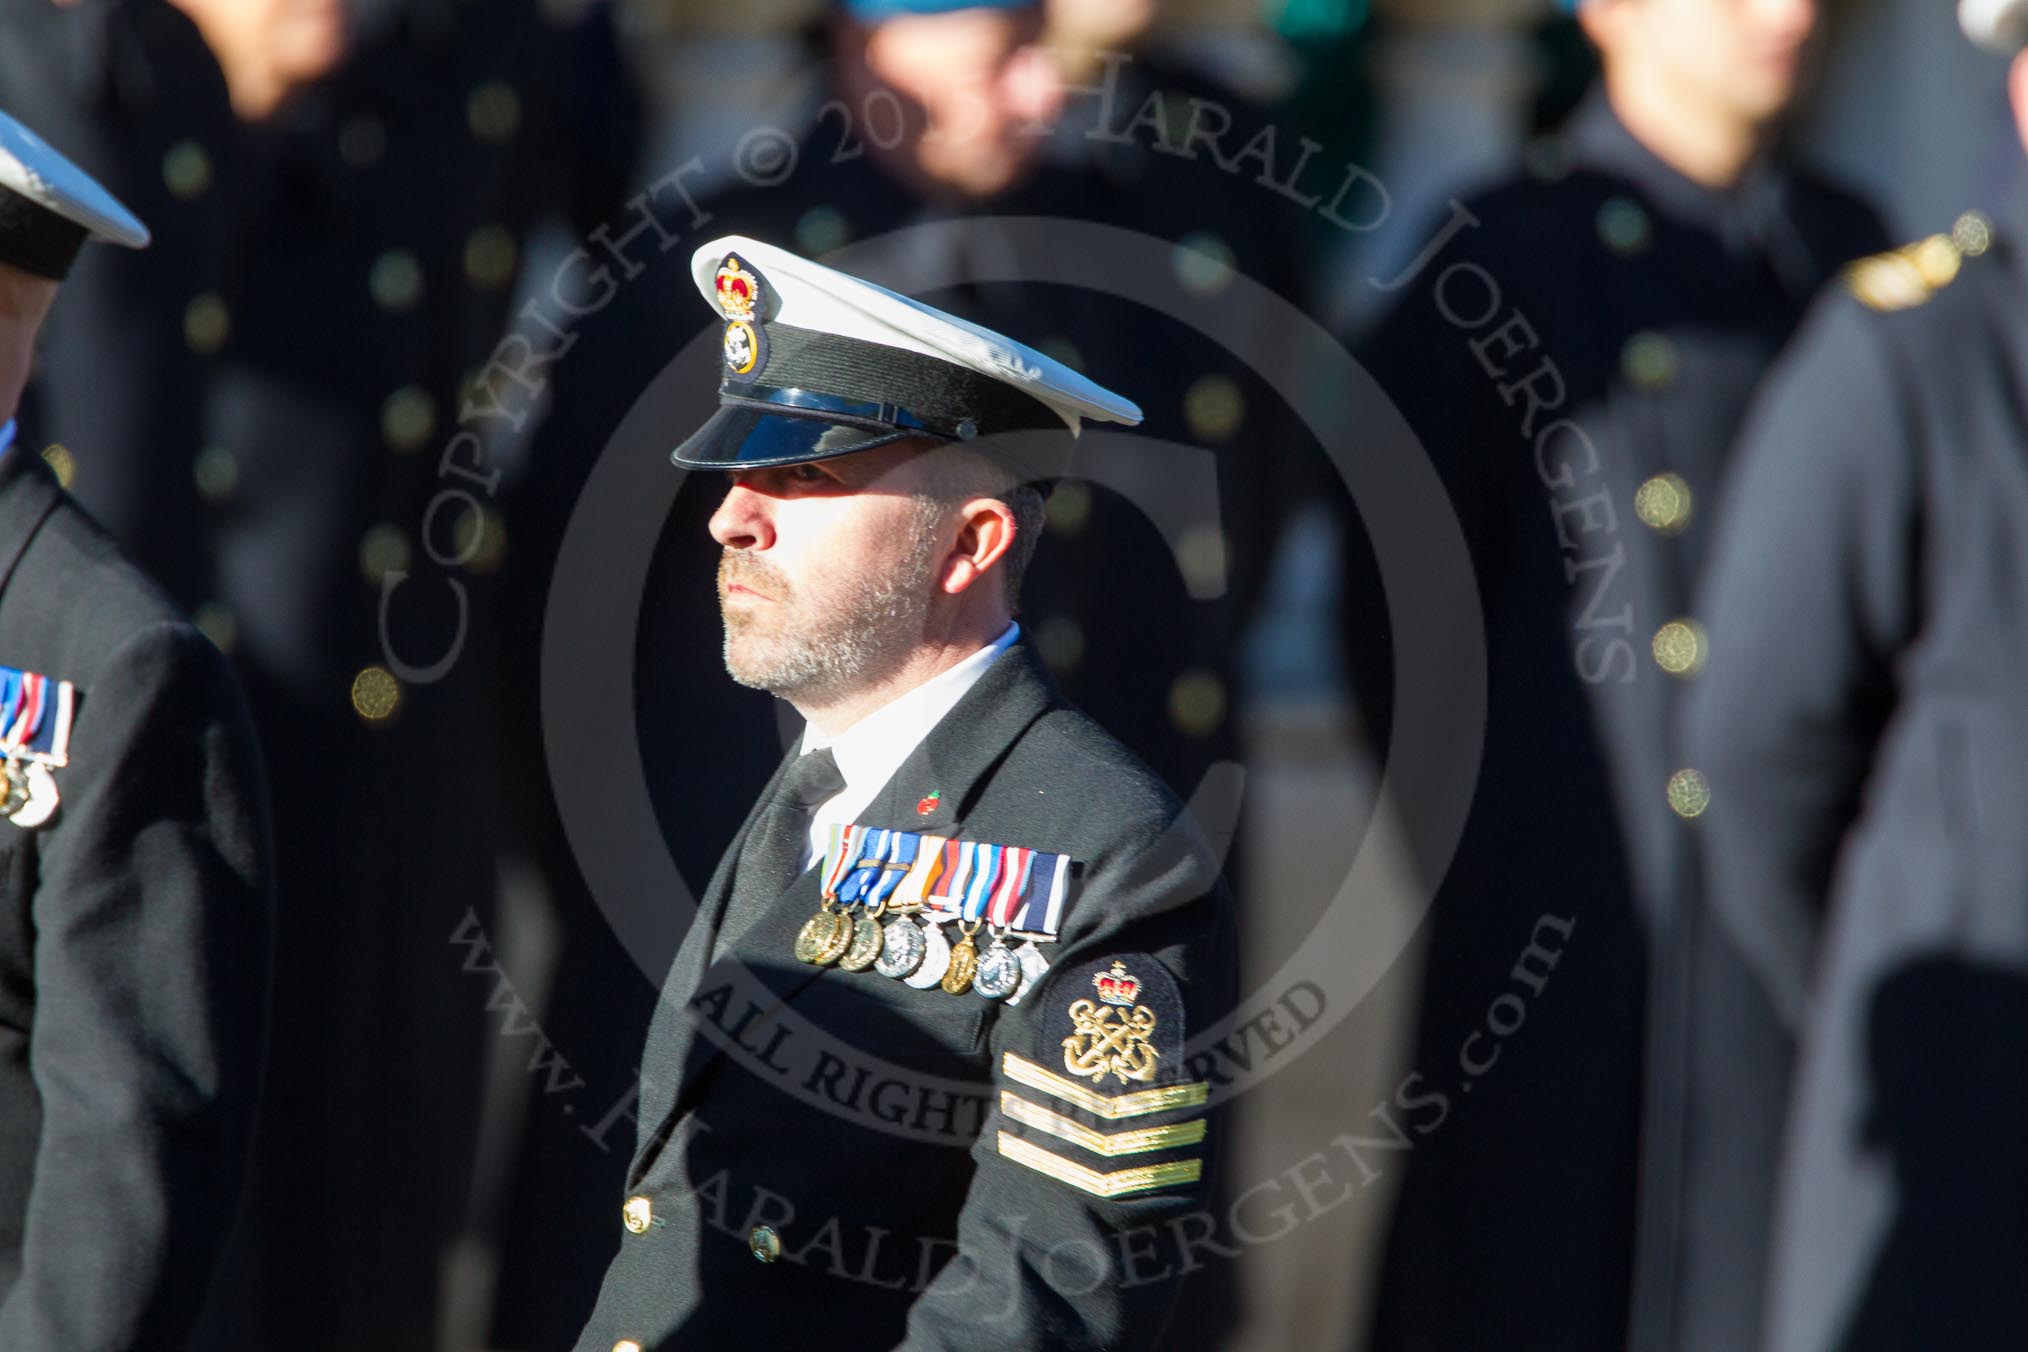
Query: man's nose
742,520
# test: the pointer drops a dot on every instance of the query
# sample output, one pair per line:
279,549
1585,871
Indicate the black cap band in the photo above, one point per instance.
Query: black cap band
36,239
940,394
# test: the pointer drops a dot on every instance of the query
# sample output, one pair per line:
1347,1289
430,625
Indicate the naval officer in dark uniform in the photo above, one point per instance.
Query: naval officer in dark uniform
1575,346
970,1123
1863,729
134,878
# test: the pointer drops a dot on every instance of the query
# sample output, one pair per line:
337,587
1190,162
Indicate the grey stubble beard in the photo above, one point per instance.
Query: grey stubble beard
847,640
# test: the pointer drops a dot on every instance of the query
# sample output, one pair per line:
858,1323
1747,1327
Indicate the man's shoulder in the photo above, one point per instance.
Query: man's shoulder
75,601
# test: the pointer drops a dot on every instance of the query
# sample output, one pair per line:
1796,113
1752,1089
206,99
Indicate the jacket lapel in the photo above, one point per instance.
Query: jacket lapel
672,1031
952,762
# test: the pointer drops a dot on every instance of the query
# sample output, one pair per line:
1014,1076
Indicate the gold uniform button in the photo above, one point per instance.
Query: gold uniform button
1213,408
1689,794
217,474
407,418
764,1243
1623,226
1973,234
1680,648
1663,503
186,169
1197,702
490,257
396,281
382,550
494,112
206,323
1068,509
626,1345
1203,263
375,694
822,229
637,1215
1649,361
1060,640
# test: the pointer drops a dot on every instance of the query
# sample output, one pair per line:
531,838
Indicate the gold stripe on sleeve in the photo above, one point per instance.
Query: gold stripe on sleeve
1120,1183
1110,1106
1138,1141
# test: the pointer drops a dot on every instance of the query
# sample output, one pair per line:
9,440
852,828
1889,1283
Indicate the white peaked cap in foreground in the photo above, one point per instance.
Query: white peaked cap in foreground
855,365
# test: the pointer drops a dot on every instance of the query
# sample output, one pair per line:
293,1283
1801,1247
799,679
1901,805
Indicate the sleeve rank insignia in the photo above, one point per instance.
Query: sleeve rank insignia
1112,1055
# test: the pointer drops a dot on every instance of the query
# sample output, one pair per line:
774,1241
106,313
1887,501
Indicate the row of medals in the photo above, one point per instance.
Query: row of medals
918,955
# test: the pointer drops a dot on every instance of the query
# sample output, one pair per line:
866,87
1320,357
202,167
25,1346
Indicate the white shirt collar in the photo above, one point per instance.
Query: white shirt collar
871,750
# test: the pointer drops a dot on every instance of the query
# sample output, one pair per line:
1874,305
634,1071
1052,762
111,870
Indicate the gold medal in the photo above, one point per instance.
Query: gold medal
837,942
867,938
817,932
14,792
964,962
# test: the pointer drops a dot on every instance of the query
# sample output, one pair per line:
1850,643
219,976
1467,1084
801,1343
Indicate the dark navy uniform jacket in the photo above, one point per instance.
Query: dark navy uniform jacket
1865,732
957,1186
134,937
1576,357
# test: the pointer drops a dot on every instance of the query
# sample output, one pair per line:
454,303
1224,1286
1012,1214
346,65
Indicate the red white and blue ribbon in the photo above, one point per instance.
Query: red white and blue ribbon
35,717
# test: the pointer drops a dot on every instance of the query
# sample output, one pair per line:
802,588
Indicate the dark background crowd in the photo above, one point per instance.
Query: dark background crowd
421,269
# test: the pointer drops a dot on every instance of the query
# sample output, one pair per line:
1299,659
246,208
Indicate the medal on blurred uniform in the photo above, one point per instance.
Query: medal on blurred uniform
831,929
902,945
999,972
988,866
35,718
897,855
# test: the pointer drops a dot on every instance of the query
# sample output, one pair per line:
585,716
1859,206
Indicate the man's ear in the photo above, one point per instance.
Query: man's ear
986,531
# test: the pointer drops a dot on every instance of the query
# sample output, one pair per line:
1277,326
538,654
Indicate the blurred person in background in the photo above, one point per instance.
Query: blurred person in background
128,89
1863,728
1576,345
135,875
356,184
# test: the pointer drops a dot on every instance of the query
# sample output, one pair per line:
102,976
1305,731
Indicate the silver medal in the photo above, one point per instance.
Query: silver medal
903,950
999,972
1033,969
936,959
42,799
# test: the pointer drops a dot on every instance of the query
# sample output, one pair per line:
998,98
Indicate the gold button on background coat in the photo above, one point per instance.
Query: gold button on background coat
1689,794
1663,503
765,1243
1680,647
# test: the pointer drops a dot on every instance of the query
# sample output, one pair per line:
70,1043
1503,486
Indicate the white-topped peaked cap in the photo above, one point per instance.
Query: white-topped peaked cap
819,363
1997,25
49,207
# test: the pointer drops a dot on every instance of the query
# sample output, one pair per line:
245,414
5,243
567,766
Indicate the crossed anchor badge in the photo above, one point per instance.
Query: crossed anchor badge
1100,1046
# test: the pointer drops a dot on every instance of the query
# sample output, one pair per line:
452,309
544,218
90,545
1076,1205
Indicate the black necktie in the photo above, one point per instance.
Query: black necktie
773,856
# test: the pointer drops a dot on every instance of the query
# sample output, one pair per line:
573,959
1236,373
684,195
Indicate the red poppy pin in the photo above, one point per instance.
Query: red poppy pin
925,806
